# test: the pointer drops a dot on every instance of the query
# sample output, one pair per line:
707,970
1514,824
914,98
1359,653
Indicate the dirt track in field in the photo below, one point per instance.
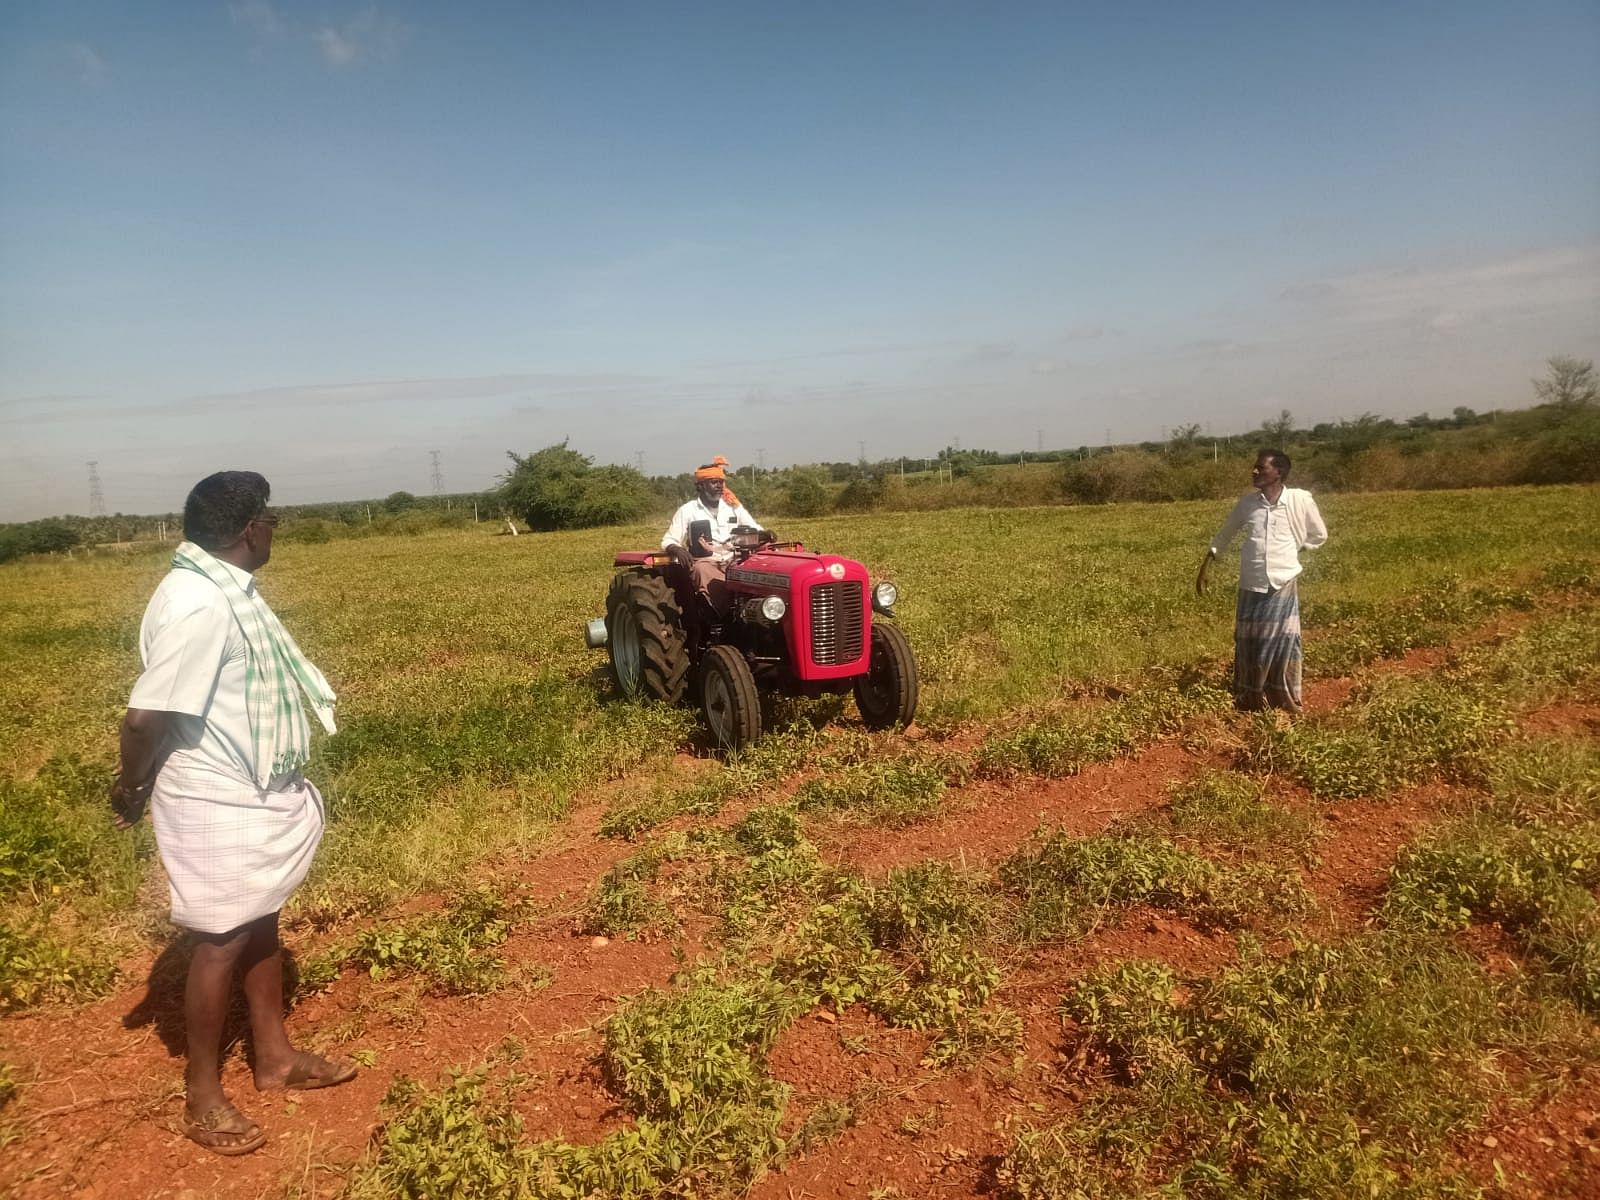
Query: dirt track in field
100,1102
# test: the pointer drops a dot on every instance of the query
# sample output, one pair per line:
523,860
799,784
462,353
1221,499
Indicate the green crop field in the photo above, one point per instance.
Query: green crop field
1328,1055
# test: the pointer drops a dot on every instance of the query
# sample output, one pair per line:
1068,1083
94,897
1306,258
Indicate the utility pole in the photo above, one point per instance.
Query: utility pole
761,457
638,461
97,498
861,451
1038,441
438,477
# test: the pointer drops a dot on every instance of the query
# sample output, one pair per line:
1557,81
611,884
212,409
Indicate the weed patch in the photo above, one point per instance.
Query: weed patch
1063,745
1230,809
1546,780
1337,1070
1065,887
894,792
39,965
1537,881
447,948
56,835
621,905
1396,733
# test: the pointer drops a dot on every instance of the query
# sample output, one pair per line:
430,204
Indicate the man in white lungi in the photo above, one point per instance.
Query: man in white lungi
213,742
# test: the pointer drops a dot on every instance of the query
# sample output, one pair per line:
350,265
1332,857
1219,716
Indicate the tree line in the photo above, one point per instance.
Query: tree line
1557,440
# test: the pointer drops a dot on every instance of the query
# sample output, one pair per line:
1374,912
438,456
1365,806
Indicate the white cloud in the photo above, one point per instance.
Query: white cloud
369,35
91,68
336,48
259,17
1445,298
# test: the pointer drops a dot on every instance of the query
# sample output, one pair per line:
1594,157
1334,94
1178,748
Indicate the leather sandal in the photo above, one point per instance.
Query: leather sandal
223,1129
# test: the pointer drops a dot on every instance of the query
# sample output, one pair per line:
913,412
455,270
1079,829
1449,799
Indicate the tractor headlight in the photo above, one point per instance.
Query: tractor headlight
884,595
773,608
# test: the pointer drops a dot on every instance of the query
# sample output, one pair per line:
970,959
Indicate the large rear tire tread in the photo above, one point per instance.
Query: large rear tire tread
728,698
887,694
663,648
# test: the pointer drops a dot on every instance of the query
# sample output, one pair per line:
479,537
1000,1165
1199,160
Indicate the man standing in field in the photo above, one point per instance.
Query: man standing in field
213,741
1279,522
707,555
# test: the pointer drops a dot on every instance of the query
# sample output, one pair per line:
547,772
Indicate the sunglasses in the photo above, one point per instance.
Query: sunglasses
270,520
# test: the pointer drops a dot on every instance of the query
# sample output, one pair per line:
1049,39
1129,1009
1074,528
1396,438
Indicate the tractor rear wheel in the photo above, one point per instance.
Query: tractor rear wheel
887,693
729,699
644,635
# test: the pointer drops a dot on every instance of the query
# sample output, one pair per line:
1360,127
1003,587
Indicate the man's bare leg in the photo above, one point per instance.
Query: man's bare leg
205,1010
261,969
277,1063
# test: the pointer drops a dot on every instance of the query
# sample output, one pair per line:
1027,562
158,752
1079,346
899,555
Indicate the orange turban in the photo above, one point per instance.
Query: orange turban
714,470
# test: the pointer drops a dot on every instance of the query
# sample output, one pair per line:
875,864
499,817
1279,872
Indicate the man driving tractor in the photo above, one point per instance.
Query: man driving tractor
700,532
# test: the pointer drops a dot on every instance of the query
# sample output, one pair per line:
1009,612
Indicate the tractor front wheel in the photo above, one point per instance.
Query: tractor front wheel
729,699
644,634
887,693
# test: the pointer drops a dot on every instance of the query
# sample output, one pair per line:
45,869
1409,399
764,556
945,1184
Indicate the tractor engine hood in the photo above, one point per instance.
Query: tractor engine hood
789,571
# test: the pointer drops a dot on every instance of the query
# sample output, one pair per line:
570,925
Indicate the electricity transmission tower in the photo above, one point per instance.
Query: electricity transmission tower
438,477
97,497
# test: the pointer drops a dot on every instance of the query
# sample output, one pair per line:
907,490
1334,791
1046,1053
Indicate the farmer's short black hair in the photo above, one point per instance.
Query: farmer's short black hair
221,505
1278,458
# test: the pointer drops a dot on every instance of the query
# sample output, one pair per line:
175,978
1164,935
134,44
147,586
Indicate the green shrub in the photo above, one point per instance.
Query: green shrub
621,905
38,966
1066,887
1536,880
1551,779
1231,809
1063,745
1395,733
1338,1070
56,835
447,947
897,791
696,1045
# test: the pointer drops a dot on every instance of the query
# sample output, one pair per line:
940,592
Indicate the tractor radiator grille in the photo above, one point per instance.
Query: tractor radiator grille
836,623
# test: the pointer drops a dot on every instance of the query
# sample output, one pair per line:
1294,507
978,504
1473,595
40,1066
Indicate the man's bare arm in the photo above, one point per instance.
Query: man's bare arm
143,740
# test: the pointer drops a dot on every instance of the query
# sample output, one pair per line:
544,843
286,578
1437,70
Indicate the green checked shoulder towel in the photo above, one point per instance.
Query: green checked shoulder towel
276,672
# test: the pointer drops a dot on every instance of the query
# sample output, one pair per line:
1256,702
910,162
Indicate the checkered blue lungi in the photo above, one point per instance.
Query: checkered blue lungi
1266,649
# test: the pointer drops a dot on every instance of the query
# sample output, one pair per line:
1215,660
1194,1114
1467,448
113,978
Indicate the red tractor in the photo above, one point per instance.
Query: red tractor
795,624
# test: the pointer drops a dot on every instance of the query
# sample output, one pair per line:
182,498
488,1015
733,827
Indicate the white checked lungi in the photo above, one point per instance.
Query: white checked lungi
232,852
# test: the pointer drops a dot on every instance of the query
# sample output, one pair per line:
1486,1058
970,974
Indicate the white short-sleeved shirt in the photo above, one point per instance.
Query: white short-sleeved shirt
194,656
724,519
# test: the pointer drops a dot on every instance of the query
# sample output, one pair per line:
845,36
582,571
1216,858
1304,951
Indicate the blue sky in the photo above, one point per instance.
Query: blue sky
323,240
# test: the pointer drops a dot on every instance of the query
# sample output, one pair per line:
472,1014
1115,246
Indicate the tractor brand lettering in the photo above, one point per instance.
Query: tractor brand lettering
769,578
